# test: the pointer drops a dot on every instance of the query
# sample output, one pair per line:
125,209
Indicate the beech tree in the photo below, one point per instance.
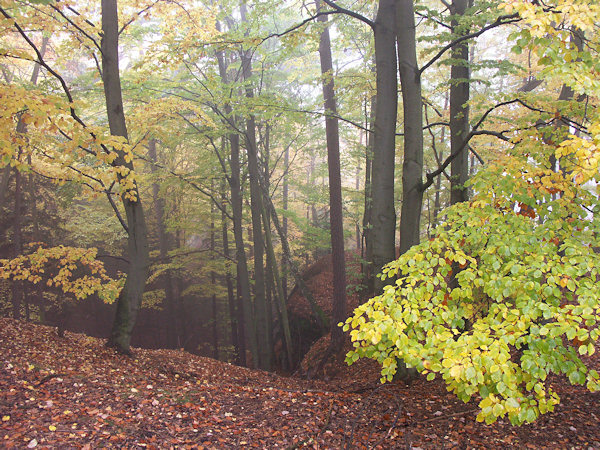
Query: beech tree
130,298
504,293
338,313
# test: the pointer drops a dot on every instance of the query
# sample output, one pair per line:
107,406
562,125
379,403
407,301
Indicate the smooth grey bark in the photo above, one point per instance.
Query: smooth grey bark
459,107
383,214
130,297
263,349
338,312
174,339
412,103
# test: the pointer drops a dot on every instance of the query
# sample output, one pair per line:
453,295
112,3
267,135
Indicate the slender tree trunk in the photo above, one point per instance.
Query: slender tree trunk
173,337
367,265
281,300
338,313
17,286
270,264
17,289
412,103
383,213
357,234
229,280
213,282
130,297
284,269
459,108
244,305
261,349
316,309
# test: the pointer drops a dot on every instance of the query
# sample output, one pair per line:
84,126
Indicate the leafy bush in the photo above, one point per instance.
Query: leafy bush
505,294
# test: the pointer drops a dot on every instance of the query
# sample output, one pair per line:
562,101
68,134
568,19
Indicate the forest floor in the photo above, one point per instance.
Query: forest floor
73,392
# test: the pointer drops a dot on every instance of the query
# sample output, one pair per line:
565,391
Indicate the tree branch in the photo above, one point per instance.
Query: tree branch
77,27
350,13
502,20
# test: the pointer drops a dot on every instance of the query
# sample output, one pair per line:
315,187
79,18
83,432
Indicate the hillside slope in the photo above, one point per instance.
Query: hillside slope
72,392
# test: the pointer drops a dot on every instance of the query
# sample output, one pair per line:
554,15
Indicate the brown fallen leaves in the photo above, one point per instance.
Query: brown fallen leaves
75,393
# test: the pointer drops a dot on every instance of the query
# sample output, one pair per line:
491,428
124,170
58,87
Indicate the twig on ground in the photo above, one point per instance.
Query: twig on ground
49,377
389,431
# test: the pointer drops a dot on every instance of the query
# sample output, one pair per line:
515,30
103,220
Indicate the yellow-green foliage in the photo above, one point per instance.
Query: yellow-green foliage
74,270
504,294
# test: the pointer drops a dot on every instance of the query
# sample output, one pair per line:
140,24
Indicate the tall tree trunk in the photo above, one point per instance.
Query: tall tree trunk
270,265
261,348
244,305
338,312
459,108
412,104
130,297
383,213
173,337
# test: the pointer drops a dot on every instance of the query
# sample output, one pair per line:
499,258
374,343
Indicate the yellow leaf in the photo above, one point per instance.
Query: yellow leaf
5,418
455,371
52,428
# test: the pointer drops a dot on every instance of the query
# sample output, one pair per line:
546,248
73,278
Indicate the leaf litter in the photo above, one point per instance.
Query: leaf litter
73,392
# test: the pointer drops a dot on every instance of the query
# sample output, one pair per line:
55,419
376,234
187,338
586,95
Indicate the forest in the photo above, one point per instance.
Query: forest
392,199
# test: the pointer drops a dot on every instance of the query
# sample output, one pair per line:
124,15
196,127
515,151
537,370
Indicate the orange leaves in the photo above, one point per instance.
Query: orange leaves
525,210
